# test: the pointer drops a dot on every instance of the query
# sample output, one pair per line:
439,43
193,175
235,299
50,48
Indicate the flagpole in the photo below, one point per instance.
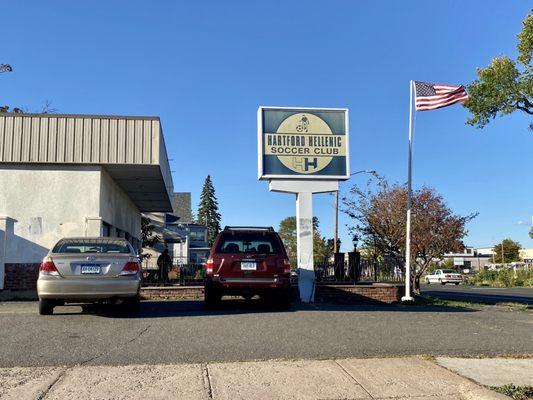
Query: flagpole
408,296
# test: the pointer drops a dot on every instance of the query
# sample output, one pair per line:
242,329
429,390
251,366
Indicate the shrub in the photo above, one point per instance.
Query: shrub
503,278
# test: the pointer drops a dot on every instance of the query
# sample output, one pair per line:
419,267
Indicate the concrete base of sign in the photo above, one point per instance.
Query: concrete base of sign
304,190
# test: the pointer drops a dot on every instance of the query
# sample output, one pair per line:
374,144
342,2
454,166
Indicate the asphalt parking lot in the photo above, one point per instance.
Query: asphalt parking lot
491,295
182,331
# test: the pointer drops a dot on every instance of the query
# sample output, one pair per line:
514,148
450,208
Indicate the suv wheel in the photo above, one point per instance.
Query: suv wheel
132,304
283,299
212,296
46,307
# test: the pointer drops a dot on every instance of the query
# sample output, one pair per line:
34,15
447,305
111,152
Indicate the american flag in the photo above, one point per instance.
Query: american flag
430,96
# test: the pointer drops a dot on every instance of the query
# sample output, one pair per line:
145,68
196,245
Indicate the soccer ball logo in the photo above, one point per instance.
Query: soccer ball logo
303,126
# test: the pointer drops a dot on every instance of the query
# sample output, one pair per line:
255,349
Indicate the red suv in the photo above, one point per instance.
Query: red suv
247,261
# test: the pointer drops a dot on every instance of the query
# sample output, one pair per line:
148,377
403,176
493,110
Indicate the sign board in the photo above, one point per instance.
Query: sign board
303,143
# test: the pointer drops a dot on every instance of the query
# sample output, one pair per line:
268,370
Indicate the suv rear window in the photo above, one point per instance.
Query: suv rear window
248,242
91,246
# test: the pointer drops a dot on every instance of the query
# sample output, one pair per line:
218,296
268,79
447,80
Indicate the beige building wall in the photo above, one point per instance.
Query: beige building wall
117,209
51,202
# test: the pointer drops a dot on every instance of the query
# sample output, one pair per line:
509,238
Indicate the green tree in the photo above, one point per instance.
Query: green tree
208,214
511,251
148,237
287,232
505,85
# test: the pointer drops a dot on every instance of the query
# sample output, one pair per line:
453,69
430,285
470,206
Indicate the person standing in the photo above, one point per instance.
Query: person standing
164,263
397,273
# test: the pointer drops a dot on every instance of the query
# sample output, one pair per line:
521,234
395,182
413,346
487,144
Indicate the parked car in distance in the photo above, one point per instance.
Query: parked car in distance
87,270
444,276
247,261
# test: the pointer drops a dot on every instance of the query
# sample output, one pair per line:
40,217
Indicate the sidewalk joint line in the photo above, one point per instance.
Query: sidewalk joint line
207,381
355,380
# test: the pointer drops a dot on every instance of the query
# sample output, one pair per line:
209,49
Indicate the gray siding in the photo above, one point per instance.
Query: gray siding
30,138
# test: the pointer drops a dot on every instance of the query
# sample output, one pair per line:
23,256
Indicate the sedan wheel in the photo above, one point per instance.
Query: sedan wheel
46,307
427,281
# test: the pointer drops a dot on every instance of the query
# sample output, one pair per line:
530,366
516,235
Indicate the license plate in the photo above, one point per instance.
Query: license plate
90,269
248,266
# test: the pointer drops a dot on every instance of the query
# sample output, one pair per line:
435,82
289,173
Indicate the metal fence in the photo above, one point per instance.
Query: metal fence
362,269
355,270
181,274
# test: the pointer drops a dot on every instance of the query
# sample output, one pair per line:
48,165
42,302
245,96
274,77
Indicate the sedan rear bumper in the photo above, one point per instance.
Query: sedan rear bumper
87,289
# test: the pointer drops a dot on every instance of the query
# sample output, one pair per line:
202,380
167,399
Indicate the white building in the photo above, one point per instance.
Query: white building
185,240
75,175
471,259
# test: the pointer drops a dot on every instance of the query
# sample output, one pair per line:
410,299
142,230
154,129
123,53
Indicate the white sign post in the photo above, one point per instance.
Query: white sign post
303,151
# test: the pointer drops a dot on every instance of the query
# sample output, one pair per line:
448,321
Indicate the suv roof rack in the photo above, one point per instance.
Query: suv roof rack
246,228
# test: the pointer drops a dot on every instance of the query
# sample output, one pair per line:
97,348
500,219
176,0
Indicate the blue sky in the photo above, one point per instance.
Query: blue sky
205,67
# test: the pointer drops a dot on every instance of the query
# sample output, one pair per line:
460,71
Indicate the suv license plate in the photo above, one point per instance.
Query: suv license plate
90,269
248,266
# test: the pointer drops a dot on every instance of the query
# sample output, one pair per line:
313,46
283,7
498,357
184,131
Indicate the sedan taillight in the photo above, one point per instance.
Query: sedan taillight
209,266
131,268
48,267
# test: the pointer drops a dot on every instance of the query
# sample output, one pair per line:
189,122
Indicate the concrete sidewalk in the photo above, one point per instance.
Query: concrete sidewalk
492,371
383,378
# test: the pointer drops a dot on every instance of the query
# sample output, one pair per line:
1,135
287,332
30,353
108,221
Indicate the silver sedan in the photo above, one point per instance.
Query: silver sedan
82,270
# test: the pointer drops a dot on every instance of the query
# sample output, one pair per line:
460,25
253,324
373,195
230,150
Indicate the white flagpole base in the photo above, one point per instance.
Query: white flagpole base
407,299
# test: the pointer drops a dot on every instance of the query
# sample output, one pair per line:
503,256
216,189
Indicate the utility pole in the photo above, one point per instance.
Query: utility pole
336,237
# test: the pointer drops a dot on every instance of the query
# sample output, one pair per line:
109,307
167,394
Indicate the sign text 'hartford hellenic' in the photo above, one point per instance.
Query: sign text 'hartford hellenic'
303,143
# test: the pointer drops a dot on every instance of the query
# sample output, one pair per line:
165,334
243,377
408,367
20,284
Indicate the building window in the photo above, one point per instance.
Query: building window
197,236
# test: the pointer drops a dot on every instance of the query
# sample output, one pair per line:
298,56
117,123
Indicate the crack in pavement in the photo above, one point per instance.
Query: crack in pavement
118,346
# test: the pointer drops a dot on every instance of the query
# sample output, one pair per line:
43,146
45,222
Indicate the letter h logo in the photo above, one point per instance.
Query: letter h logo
308,163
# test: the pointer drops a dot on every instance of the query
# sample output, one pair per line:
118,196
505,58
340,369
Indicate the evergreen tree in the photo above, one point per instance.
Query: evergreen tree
208,210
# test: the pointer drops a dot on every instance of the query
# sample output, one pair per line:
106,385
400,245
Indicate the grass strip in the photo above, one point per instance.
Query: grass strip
515,392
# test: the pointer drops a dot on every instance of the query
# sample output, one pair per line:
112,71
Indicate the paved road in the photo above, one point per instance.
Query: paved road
176,332
478,293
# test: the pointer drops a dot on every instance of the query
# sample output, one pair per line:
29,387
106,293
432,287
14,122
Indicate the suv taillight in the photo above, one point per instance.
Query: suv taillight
131,268
286,266
209,266
48,267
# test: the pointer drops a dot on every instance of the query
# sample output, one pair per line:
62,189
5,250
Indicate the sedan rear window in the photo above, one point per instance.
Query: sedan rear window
73,246
248,242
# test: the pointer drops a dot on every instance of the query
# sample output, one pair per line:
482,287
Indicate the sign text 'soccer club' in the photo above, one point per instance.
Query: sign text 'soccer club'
430,96
295,142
